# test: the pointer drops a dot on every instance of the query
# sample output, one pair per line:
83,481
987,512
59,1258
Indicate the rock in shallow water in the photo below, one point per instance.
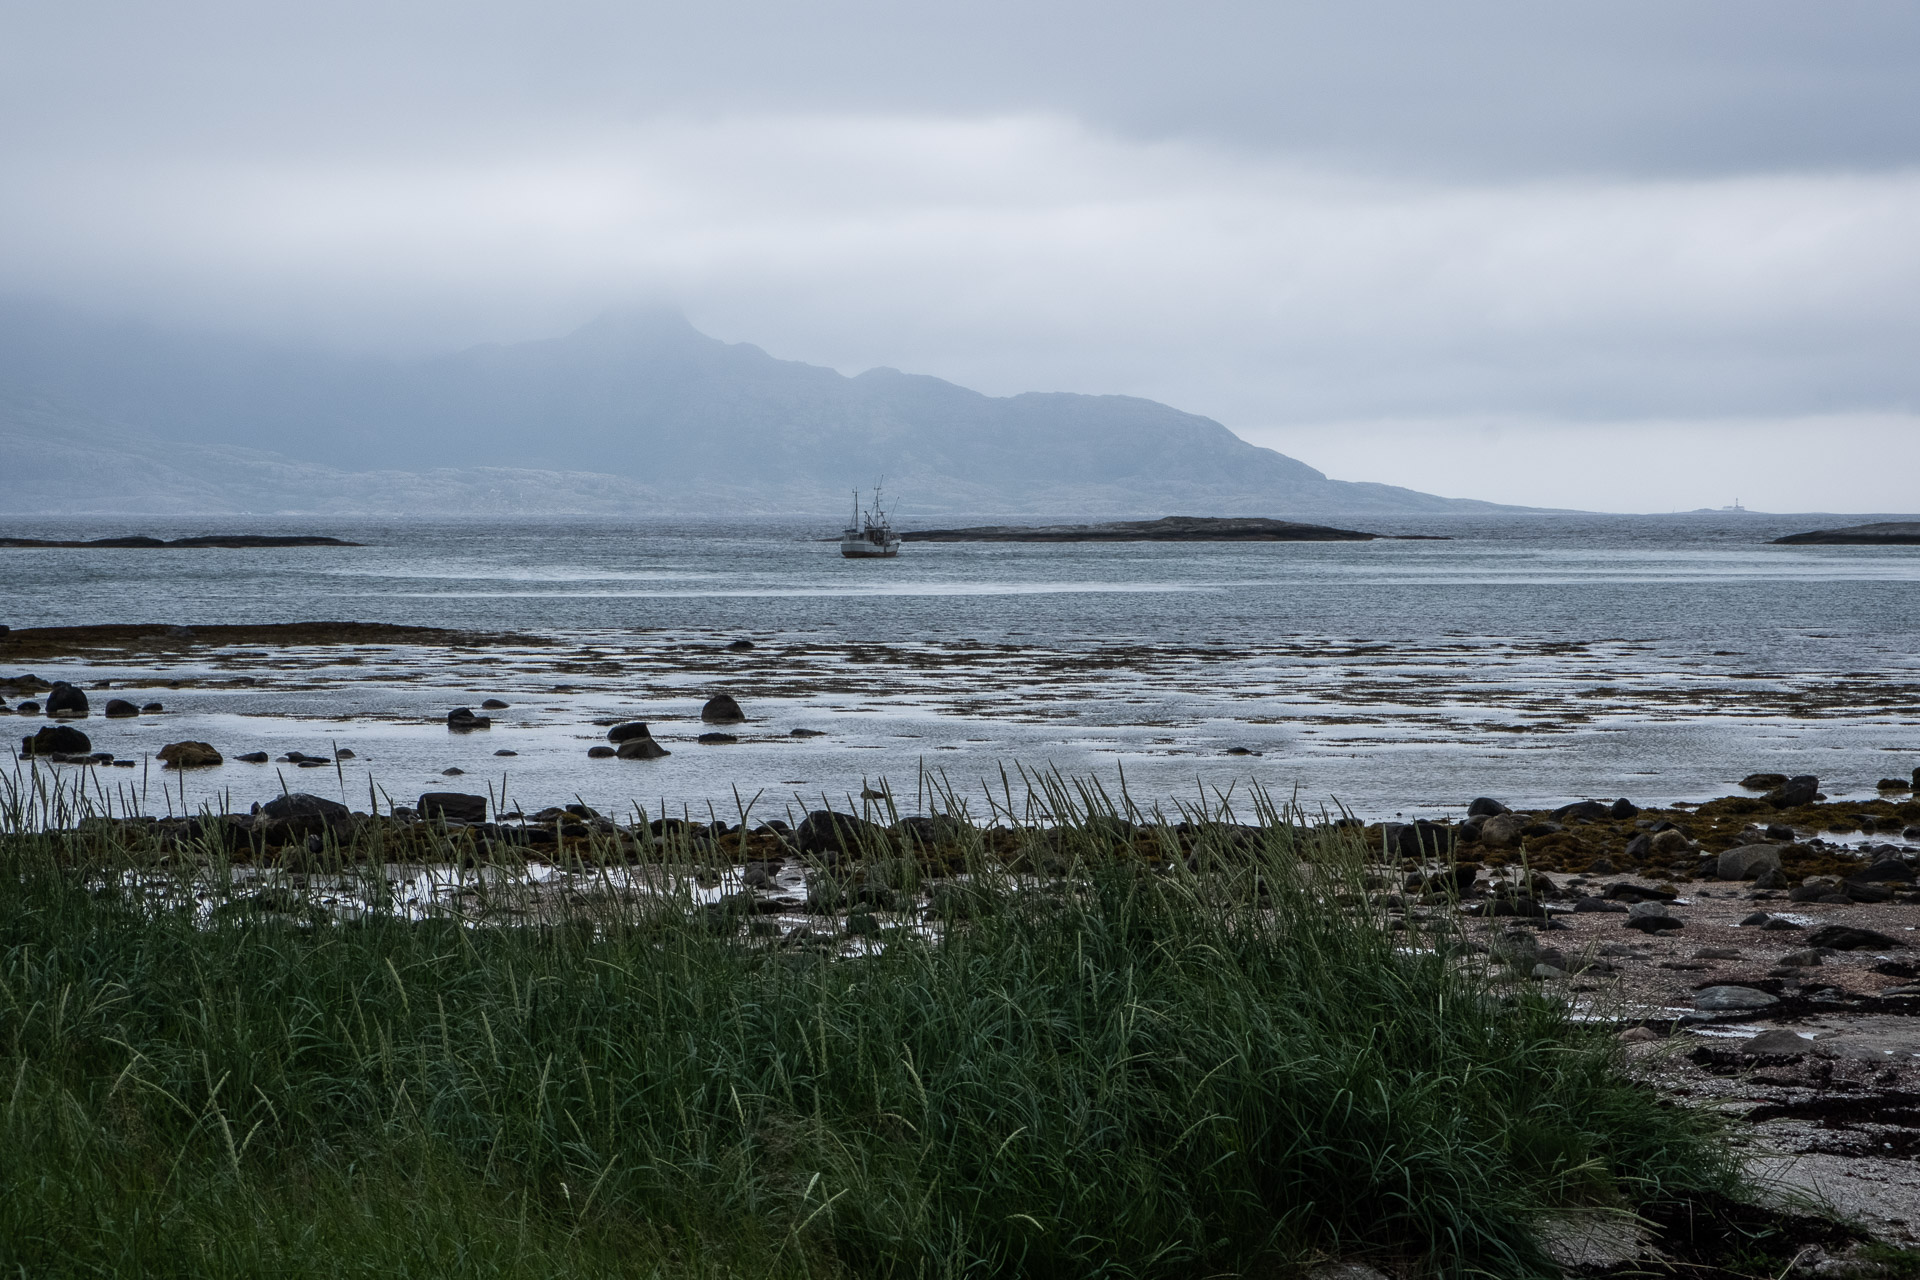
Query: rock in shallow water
1794,792
641,749
627,732
65,700
722,709
119,709
56,739
189,755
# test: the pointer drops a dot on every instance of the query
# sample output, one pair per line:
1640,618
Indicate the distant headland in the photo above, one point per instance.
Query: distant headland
1890,533
1165,529
232,541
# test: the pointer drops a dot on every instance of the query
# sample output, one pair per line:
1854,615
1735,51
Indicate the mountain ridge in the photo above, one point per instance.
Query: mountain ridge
633,411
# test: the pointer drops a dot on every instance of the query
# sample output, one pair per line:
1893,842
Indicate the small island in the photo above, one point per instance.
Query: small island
1165,529
226,540
1890,533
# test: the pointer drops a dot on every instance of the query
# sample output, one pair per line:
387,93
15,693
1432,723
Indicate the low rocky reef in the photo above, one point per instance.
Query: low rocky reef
1166,529
231,541
1889,533
108,641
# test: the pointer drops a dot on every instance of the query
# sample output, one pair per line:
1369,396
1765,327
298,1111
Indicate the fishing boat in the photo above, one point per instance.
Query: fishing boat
870,535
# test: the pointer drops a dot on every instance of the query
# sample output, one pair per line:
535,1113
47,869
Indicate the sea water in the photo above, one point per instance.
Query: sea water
1534,658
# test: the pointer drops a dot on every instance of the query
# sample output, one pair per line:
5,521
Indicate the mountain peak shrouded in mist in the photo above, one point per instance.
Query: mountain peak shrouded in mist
636,411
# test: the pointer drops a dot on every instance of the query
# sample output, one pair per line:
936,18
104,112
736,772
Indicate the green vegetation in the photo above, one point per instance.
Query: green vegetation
1216,1062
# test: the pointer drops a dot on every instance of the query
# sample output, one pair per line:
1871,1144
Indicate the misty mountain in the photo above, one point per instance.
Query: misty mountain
636,412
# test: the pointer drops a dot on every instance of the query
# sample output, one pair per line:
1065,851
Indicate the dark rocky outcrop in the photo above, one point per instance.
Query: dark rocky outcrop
56,740
189,755
66,700
641,749
1842,937
722,709
1890,533
718,739
298,815
253,757
493,704
463,720
627,732
1794,792
119,709
824,832
1165,529
453,806
1486,807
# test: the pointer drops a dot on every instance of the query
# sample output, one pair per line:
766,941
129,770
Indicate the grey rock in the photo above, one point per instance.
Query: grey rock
462,720
1502,830
1811,957
627,732
717,739
641,749
1731,999
600,753
1486,807
189,755
1885,871
493,704
1622,809
1654,924
1778,1042
1747,862
1772,878
1642,910
253,757
1591,905
1794,792
119,709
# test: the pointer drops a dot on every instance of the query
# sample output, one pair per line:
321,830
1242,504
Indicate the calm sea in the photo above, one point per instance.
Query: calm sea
1537,658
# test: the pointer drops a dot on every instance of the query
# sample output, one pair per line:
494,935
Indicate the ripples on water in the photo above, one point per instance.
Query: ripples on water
1538,658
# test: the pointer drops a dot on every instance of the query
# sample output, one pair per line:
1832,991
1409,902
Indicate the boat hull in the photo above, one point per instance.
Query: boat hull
859,548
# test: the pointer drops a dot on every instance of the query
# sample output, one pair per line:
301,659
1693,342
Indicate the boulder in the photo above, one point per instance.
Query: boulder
1888,870
1731,999
56,740
119,709
452,806
152,709
826,832
641,749
1653,924
1639,846
722,709
298,815
493,704
253,757
717,739
462,719
1671,841
1486,807
66,700
741,645
600,753
627,732
1772,878
1747,862
1417,839
1502,830
1842,937
1622,809
1794,792
1778,1042
1583,811
188,755
806,733
1626,891
28,708
1893,784
1763,781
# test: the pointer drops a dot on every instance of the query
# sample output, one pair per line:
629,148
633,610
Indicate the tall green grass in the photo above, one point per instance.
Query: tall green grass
1220,1061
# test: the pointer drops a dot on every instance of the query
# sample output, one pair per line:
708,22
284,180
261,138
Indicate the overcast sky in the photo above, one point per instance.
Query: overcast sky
1621,255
